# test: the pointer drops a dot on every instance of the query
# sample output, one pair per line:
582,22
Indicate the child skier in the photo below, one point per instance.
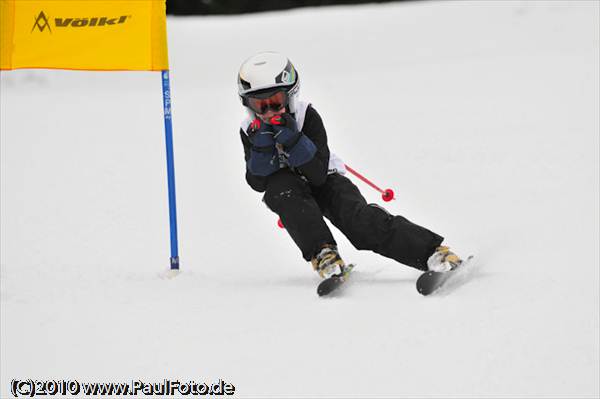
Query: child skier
287,158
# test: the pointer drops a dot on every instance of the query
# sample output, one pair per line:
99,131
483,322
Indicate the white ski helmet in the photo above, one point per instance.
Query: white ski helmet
265,74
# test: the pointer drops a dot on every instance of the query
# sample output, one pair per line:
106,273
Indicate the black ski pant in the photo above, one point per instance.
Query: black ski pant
301,207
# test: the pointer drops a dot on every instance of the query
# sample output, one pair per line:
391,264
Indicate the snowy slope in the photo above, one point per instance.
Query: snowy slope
482,116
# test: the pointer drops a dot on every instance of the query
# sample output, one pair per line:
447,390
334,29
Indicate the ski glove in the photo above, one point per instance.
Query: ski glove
264,157
300,149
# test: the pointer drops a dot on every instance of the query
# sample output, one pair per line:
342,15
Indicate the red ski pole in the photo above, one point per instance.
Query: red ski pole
387,195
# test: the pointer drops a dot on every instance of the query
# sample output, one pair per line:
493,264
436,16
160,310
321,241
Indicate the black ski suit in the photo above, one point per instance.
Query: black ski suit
302,196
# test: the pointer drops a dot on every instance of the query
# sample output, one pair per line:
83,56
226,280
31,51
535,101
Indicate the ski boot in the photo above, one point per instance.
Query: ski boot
328,262
443,260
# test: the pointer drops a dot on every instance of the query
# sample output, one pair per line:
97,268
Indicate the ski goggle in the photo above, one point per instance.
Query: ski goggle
274,102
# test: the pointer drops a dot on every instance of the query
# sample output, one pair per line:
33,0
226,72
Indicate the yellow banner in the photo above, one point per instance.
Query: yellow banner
105,35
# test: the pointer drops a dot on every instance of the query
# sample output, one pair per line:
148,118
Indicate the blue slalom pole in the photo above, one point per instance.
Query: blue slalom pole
166,87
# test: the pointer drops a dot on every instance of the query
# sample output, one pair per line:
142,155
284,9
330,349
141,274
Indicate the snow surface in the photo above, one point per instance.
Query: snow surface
482,116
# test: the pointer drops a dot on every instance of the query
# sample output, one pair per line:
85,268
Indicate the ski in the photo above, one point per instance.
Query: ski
431,281
332,283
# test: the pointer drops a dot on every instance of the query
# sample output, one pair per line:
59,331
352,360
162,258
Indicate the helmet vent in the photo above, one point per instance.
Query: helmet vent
245,85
